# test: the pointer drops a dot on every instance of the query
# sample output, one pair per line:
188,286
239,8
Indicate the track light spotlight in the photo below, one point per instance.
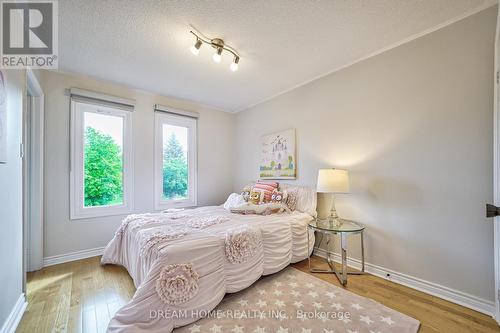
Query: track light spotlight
218,55
234,64
195,49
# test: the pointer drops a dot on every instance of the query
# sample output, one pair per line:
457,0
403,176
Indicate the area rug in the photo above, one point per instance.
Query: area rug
295,302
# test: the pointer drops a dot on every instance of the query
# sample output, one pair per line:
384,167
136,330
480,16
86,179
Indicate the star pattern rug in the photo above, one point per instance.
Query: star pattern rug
295,302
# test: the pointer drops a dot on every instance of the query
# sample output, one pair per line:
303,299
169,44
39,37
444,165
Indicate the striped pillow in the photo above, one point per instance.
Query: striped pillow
267,187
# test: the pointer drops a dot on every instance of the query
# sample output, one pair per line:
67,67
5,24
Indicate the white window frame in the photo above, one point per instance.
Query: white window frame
77,205
162,118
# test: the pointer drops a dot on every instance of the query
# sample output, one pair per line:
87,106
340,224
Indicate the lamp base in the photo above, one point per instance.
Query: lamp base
326,209
334,218
324,205
336,221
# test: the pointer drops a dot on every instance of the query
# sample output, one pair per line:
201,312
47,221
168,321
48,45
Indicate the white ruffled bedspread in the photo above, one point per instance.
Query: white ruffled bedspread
186,262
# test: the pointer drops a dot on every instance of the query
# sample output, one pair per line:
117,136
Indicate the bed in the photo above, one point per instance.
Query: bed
183,263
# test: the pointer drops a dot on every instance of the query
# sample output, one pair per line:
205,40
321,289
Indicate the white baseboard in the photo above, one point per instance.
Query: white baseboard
15,315
449,294
62,258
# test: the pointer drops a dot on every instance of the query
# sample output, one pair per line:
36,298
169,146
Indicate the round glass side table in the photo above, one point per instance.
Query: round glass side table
328,228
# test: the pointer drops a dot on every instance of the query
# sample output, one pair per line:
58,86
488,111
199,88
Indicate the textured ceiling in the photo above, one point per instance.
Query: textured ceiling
283,43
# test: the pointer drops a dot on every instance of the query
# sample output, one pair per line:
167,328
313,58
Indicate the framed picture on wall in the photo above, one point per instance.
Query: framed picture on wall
278,159
3,120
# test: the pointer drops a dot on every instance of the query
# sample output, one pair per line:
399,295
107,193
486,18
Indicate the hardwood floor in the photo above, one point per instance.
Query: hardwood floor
82,296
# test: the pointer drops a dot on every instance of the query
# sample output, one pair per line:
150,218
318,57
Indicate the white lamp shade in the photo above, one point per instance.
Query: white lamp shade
333,181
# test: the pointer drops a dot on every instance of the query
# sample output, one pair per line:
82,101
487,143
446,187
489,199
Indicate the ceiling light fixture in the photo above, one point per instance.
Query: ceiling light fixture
219,46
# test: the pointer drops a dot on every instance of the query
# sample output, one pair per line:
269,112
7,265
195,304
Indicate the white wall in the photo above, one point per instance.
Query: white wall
11,214
215,158
414,126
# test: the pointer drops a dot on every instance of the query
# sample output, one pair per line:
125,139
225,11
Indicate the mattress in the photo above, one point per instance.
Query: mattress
223,253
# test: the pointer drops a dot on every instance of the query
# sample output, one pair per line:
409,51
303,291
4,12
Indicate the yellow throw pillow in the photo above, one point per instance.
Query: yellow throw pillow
255,197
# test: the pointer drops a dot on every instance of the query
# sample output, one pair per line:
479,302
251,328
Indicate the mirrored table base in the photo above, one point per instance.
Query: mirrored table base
341,275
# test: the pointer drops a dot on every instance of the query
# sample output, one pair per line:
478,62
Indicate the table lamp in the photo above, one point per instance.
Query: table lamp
333,181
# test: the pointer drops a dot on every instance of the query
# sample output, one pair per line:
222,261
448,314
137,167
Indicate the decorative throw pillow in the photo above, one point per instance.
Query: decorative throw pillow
234,200
306,198
245,192
278,197
291,198
255,197
267,188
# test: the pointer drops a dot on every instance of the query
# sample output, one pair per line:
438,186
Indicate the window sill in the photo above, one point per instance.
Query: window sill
95,213
180,204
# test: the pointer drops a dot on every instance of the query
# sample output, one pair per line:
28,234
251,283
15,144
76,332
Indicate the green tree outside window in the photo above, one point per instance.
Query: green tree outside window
103,181
175,170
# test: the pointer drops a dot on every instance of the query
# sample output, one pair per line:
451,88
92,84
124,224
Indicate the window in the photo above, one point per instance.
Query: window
101,160
175,161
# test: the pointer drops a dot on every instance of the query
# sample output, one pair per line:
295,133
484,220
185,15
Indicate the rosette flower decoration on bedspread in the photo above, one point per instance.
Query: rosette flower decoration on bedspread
240,244
177,283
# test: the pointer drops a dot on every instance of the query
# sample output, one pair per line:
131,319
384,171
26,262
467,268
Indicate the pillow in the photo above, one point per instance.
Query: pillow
245,192
291,198
263,209
255,197
267,188
234,200
305,198
278,197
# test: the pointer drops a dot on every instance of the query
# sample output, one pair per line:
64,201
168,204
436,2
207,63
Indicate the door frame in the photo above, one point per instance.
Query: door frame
496,169
33,174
